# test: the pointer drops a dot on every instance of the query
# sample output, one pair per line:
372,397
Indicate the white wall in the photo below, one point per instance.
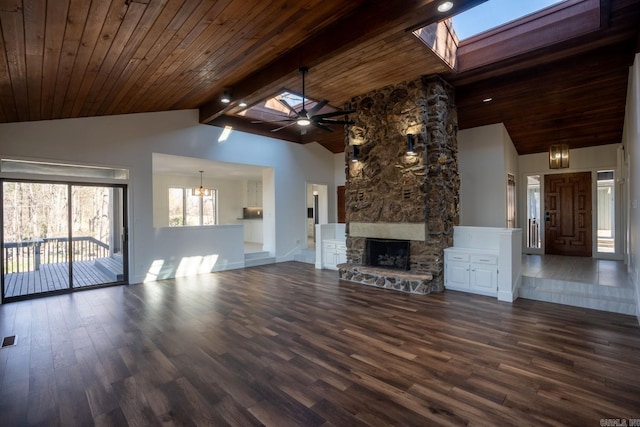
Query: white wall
485,155
510,154
580,159
631,138
229,197
129,140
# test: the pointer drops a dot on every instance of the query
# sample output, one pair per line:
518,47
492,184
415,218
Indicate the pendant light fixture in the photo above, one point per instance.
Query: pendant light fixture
201,192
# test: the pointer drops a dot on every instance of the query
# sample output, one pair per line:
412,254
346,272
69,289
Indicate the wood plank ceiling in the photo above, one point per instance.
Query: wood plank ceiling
80,58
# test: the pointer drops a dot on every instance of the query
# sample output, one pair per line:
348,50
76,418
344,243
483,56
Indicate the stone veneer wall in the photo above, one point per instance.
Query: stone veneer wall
387,185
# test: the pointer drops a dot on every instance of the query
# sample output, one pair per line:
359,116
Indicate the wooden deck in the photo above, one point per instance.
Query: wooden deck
53,277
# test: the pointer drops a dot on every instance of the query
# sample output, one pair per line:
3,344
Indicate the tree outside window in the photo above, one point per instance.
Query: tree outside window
188,208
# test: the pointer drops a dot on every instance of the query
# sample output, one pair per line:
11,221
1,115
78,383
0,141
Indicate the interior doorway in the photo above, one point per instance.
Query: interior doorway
568,214
58,237
317,211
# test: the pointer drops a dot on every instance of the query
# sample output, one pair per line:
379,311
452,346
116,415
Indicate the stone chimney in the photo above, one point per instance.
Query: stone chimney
395,195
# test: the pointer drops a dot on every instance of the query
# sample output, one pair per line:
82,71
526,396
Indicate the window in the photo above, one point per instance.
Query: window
60,169
533,212
188,208
511,201
272,110
606,211
495,13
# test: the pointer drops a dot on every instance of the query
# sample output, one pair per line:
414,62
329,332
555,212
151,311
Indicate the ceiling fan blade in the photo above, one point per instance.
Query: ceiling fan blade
333,114
289,107
272,121
336,122
282,127
319,106
321,126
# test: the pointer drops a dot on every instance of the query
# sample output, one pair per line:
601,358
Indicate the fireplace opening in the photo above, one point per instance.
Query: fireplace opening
387,253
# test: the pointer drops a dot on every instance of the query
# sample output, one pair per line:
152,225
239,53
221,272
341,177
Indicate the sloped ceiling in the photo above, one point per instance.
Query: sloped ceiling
80,58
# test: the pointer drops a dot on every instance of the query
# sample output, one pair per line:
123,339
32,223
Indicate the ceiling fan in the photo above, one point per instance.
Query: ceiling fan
304,118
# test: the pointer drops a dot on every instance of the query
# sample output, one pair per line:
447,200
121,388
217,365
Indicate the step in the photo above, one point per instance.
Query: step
111,266
306,255
254,262
605,298
256,255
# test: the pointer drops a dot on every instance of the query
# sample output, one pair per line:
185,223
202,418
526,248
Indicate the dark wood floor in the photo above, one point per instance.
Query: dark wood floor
286,344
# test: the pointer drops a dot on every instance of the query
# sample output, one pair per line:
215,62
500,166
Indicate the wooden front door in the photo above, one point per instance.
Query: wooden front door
567,206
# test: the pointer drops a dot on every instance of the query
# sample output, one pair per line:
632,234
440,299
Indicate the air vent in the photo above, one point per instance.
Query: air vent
407,192
8,341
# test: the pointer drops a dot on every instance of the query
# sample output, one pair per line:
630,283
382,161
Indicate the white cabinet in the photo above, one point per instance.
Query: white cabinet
456,274
252,230
471,271
491,258
254,194
334,252
483,276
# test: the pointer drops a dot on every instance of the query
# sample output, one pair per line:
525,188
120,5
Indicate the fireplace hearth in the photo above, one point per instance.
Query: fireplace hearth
387,253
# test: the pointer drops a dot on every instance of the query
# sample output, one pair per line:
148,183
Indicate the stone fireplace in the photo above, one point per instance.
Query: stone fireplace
395,195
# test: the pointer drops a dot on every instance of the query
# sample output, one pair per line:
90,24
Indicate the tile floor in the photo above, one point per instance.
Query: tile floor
577,269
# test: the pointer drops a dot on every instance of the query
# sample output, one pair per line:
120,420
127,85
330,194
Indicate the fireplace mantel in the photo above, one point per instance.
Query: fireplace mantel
388,230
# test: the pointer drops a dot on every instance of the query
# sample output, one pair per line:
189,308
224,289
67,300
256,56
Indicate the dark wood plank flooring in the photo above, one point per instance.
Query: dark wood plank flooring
288,345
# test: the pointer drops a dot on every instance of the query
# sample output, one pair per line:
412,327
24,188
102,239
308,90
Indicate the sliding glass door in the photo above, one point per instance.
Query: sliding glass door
61,236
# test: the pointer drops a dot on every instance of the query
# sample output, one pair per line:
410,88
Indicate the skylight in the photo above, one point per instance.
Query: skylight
495,13
272,110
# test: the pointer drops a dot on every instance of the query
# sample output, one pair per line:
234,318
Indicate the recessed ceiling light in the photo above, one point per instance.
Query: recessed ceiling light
487,100
445,6
226,96
242,104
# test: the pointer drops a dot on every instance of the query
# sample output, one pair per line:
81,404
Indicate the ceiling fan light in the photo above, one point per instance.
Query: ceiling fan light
303,121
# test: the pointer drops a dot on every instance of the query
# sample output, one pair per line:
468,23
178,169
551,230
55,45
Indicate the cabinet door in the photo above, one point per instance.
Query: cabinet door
341,254
484,277
251,194
328,258
259,193
457,275
327,255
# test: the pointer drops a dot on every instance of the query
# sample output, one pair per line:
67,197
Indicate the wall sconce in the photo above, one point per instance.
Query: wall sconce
226,96
558,156
355,154
411,141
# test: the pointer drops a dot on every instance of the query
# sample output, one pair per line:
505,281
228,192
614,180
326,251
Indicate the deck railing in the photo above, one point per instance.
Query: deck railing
28,255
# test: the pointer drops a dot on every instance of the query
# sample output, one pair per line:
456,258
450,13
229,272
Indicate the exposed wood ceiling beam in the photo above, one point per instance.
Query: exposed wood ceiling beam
371,19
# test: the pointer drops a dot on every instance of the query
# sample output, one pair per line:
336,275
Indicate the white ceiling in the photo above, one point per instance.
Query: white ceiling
167,164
